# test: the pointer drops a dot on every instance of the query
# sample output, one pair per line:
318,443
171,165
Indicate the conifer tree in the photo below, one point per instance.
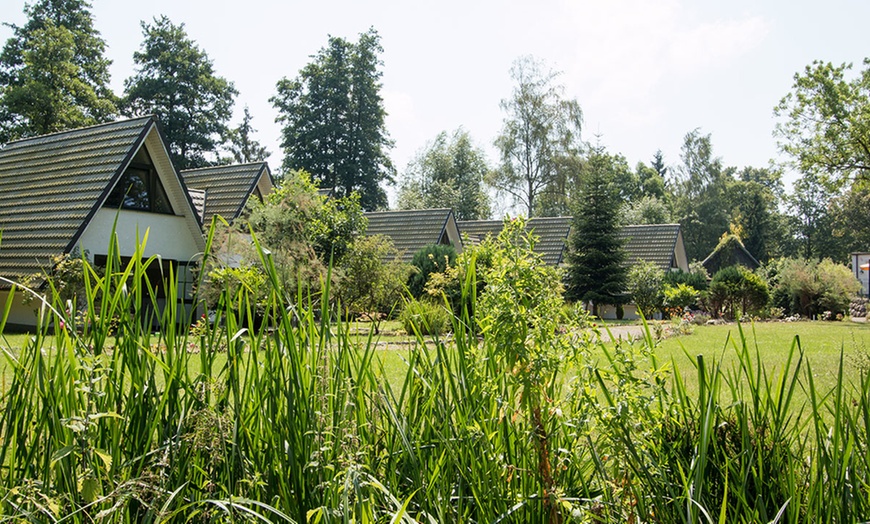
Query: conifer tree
596,270
333,120
175,80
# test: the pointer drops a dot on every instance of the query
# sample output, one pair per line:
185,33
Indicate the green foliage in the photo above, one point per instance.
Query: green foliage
699,196
738,291
53,72
373,276
176,81
696,277
754,211
849,225
825,121
595,258
541,135
241,144
680,296
448,172
813,287
434,258
333,120
645,210
65,279
520,422
334,226
420,317
645,287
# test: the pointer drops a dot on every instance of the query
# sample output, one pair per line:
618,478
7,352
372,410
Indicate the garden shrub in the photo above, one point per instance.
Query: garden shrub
680,296
425,318
434,258
810,287
373,276
695,277
738,291
645,287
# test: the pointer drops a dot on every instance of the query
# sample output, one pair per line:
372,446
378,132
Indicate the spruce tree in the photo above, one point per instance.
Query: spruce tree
596,270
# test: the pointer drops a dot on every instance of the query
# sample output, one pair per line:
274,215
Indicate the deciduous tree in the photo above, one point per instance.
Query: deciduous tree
699,196
53,72
176,81
541,132
825,126
333,120
449,172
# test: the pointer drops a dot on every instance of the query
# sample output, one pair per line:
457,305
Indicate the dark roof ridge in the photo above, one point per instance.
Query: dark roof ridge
430,209
78,129
260,163
652,225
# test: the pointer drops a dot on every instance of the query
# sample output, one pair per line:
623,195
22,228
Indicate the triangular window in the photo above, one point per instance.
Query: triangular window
139,188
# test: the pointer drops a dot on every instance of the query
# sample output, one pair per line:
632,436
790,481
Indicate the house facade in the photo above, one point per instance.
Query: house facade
67,192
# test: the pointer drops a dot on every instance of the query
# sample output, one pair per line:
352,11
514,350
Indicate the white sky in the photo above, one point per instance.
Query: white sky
645,72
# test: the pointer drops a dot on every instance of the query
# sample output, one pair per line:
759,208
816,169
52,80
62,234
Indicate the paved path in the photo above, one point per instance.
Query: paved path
630,332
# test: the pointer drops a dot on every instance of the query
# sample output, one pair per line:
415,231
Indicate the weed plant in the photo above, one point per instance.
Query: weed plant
514,419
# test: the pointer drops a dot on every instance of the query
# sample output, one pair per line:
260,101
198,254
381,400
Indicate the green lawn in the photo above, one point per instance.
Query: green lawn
821,342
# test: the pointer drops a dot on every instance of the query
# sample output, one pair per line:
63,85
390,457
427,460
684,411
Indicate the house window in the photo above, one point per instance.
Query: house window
140,190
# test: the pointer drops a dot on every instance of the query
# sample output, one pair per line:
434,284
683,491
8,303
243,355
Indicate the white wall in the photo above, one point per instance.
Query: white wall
863,275
168,235
21,315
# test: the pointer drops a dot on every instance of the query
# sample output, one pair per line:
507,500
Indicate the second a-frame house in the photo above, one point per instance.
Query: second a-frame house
66,192
226,190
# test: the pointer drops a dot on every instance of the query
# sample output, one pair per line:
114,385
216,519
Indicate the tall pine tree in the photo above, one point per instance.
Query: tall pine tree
333,120
175,80
596,270
53,75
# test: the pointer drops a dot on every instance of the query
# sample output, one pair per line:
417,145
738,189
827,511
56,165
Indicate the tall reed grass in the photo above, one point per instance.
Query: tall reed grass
292,420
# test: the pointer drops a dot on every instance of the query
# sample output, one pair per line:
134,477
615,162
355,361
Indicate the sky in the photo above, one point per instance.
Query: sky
645,72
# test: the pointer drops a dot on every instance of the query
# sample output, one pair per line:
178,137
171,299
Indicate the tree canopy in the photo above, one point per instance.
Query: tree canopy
53,72
826,122
448,172
540,137
333,120
176,81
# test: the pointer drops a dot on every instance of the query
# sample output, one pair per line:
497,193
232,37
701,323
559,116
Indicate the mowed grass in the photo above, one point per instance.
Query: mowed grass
821,342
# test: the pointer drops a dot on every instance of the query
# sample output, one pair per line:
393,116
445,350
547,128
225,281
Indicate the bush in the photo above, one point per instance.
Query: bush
374,277
810,287
645,287
434,258
737,291
680,296
425,318
696,277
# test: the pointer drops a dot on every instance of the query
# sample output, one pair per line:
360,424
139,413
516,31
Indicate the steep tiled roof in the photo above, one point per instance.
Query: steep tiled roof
227,187
410,230
50,186
552,232
651,243
729,252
